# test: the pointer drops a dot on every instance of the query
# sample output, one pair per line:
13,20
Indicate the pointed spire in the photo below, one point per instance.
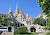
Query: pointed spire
10,10
17,11
17,6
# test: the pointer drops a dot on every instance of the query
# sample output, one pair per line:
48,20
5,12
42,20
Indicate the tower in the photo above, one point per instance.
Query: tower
10,12
17,10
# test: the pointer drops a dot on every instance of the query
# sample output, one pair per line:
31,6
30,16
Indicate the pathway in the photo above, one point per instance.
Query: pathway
44,33
8,33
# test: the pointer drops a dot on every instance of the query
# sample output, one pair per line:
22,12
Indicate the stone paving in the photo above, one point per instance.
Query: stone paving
44,33
7,33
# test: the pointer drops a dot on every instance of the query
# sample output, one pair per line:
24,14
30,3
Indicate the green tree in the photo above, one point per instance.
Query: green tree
0,19
5,21
45,5
11,24
22,29
40,21
48,23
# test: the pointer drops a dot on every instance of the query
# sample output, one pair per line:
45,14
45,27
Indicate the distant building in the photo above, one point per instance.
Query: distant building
41,14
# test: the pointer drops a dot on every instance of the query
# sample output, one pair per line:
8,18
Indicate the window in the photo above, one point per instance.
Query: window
2,15
18,25
39,28
21,17
21,24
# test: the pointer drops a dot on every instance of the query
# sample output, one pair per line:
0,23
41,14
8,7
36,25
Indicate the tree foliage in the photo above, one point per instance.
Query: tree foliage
5,21
11,24
40,21
22,29
48,22
45,4
0,19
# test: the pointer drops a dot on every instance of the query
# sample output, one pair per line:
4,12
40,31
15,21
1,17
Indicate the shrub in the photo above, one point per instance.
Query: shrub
21,30
40,21
48,33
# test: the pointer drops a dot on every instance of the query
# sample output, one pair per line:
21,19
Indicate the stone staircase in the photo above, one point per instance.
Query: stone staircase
7,33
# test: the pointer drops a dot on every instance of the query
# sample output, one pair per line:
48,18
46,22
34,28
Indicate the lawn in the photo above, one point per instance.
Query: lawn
24,34
48,33
27,34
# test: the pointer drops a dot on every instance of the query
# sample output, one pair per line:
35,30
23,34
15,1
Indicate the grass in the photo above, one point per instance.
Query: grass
24,34
48,33
27,34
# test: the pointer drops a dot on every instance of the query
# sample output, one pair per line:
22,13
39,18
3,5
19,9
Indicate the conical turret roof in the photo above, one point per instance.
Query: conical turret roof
21,12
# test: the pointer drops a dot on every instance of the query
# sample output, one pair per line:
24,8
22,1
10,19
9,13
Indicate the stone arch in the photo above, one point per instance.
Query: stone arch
33,29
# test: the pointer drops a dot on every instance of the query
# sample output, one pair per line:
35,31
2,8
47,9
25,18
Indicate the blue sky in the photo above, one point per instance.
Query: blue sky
28,6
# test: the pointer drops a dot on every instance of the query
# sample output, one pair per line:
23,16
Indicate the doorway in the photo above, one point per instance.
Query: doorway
33,29
9,29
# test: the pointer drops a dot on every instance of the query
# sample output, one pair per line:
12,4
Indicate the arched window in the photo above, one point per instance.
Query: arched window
21,17
39,28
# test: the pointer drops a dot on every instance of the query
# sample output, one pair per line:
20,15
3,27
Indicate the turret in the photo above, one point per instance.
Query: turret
10,12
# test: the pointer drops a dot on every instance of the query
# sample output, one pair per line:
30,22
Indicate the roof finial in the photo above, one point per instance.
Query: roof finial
10,9
17,6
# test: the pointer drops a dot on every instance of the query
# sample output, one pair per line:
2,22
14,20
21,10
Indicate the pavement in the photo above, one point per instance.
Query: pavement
44,33
8,33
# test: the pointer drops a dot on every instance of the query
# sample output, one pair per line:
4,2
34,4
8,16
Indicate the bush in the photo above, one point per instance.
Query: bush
40,21
11,24
21,30
48,33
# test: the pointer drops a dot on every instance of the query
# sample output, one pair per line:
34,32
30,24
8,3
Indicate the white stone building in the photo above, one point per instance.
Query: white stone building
41,14
20,19
26,20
